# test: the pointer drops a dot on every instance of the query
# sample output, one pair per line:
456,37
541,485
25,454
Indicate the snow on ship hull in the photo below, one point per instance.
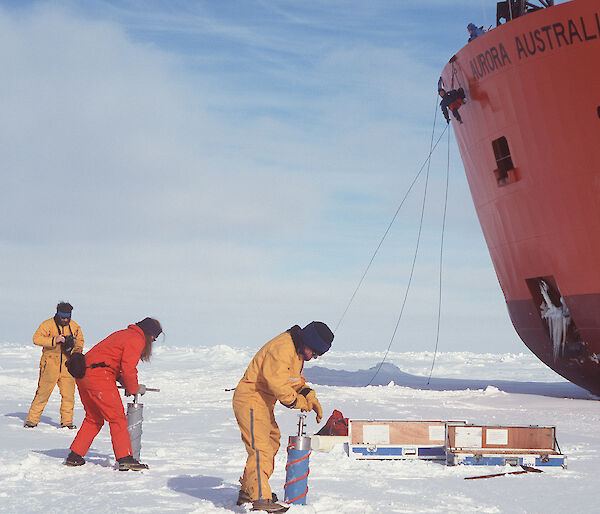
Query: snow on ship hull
529,145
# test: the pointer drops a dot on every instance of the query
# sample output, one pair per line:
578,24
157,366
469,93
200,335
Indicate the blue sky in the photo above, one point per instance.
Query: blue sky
229,168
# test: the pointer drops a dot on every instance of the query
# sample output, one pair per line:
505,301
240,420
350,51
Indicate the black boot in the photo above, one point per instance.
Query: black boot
127,463
74,460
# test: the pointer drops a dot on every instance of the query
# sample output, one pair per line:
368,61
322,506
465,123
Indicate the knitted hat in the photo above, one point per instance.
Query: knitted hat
317,336
150,326
471,26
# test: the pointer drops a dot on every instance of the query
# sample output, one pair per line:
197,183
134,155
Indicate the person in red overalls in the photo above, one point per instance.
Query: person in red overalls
112,359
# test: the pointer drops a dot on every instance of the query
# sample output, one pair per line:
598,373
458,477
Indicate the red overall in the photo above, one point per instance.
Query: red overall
119,352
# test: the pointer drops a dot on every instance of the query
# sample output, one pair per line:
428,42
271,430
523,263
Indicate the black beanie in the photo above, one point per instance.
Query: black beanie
317,336
150,326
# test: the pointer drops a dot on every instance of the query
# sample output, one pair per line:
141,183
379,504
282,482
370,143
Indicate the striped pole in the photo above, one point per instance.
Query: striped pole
296,469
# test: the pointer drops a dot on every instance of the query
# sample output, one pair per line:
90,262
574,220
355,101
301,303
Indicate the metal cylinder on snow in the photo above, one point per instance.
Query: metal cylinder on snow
134,425
296,470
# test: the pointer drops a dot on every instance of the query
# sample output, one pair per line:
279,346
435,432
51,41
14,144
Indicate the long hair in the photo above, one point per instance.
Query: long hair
152,329
147,351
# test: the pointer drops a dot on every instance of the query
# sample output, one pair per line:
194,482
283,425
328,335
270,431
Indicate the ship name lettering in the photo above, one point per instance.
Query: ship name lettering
585,35
490,60
555,35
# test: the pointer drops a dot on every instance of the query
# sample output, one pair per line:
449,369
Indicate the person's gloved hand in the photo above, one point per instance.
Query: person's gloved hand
301,403
142,390
316,406
312,402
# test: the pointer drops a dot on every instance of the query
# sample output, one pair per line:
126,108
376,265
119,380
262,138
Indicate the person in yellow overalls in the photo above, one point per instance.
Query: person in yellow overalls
274,374
58,337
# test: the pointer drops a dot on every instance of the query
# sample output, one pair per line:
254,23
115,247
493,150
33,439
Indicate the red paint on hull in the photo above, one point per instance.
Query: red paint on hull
535,81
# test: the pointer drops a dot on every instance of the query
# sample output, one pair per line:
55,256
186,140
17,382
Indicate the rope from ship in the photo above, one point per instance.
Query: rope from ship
362,278
454,74
439,313
412,269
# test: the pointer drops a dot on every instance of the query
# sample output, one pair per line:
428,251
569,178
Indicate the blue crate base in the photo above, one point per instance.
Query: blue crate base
379,452
506,459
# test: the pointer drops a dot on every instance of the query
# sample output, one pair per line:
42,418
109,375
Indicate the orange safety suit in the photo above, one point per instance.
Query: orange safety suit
275,373
114,358
53,370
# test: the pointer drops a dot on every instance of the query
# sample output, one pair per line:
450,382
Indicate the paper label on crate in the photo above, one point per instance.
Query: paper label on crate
528,460
437,433
376,434
468,437
496,436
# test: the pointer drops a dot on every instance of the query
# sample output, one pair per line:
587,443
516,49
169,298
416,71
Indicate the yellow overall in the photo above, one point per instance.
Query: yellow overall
275,373
53,370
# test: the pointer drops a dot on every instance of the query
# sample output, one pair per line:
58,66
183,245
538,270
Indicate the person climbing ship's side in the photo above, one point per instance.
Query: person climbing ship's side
451,100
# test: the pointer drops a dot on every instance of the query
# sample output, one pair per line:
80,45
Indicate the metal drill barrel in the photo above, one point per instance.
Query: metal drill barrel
134,425
296,476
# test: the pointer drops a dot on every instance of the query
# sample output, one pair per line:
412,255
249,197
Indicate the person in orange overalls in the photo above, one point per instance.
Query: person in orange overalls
58,337
112,359
274,374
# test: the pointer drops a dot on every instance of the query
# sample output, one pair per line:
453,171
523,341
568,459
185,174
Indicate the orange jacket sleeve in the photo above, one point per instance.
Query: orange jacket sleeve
129,360
44,334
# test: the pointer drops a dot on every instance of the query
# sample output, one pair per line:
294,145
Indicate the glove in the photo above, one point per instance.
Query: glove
316,406
312,402
301,403
142,390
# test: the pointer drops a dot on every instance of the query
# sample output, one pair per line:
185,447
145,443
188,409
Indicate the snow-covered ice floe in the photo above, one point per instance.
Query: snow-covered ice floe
192,444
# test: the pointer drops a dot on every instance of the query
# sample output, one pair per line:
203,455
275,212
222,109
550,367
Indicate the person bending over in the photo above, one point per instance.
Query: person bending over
113,360
274,374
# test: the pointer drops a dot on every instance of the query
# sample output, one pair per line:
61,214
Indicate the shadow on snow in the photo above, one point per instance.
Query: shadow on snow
91,457
23,416
212,489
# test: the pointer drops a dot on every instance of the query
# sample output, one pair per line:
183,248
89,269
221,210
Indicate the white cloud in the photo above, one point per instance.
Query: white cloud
230,201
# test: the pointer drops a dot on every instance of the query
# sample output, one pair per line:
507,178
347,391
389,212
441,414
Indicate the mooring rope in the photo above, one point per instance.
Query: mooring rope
362,278
439,314
412,269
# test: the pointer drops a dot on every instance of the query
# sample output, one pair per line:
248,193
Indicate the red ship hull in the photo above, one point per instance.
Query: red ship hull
530,147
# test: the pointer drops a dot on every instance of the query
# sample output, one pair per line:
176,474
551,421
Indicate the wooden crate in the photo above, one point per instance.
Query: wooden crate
396,439
502,445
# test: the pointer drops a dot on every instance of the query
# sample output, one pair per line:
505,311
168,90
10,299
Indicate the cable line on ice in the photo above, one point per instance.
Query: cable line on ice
437,331
362,278
432,147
